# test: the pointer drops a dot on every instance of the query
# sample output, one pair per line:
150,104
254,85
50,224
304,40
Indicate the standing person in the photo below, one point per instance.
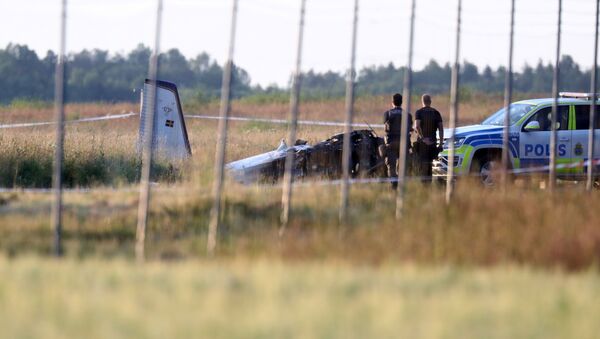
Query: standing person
427,121
393,124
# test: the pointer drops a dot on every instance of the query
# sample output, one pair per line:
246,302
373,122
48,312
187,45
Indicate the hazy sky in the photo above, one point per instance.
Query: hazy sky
267,30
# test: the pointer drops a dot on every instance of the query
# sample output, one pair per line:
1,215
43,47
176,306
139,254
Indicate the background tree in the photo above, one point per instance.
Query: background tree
97,75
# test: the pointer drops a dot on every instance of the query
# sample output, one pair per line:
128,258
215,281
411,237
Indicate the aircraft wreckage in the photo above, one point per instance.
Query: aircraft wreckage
322,160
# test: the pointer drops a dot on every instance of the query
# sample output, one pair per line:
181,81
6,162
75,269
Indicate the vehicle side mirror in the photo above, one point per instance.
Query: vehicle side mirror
532,126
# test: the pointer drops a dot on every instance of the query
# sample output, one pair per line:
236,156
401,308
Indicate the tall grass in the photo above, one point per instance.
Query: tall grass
94,155
473,108
102,153
267,299
367,108
480,228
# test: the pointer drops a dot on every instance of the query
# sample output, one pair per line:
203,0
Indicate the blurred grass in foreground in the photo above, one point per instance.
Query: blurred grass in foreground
50,299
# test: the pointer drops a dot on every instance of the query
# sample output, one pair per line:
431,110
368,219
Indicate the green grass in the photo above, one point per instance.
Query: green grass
30,165
29,104
91,159
268,299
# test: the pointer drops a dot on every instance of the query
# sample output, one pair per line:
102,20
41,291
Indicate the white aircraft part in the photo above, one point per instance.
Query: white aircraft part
248,170
170,139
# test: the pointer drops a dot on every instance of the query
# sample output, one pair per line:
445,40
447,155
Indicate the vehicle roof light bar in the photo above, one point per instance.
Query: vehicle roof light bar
576,95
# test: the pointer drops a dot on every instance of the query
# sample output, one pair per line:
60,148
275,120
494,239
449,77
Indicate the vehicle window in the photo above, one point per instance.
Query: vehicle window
517,111
582,117
543,116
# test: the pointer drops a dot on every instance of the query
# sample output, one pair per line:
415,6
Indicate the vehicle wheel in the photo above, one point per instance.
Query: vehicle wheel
486,170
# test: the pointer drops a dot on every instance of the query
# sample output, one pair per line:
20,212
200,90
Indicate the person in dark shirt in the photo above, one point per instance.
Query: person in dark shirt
392,120
427,122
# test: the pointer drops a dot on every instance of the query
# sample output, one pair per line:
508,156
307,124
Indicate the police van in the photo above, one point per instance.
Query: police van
478,148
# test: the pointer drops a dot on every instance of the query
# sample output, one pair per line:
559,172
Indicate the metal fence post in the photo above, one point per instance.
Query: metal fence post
453,109
508,88
350,85
147,142
286,198
59,116
404,136
591,136
222,138
554,115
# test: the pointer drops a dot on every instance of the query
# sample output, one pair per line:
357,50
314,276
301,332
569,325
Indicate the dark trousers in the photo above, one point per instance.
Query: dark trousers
392,151
426,155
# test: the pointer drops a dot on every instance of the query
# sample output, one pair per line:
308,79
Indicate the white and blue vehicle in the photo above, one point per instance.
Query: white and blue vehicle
478,148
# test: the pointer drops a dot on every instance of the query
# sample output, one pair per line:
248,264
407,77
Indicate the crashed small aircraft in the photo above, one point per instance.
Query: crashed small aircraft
322,160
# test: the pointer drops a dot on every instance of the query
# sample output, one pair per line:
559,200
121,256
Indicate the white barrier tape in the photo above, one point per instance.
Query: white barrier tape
195,116
283,121
47,123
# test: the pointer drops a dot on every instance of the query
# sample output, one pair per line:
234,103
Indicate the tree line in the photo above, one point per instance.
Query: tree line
97,75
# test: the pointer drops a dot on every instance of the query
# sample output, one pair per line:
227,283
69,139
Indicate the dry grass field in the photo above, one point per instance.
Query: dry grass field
518,265
481,227
103,153
368,108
